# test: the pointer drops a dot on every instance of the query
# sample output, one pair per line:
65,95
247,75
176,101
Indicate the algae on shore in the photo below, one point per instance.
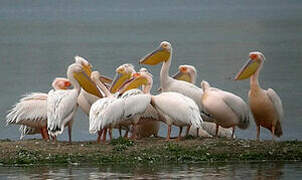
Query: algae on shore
147,151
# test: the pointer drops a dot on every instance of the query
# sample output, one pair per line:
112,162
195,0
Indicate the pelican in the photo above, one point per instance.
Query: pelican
266,105
164,54
62,104
110,111
147,124
188,73
176,108
89,93
227,109
30,112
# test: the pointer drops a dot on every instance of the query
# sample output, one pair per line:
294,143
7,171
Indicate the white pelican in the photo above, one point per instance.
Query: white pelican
266,105
164,54
227,109
110,111
89,93
147,124
188,73
62,104
31,111
176,108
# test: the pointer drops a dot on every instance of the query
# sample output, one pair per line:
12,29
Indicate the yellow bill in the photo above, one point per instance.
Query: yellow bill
118,81
248,69
183,76
87,84
133,83
157,56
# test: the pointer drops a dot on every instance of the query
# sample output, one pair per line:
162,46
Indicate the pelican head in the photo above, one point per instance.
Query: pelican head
161,54
186,73
123,73
60,83
84,80
252,65
138,79
86,65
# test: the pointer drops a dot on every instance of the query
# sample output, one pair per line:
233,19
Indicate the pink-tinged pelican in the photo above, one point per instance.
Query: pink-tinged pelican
62,104
31,111
168,84
227,109
110,111
176,108
266,105
188,73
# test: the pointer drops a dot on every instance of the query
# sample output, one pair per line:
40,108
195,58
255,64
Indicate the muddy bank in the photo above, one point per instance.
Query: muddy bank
146,151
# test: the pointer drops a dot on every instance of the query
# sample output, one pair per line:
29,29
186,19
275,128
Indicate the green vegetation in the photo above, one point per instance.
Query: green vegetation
146,151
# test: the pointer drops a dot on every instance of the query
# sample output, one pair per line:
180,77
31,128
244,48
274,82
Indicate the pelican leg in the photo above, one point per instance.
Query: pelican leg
126,134
169,133
110,133
69,131
217,128
233,132
104,134
99,136
258,132
42,134
179,134
273,133
54,138
133,135
120,130
188,129
197,133
45,132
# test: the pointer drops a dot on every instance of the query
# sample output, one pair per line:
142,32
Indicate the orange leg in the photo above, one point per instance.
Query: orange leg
104,134
258,133
126,134
133,135
42,134
188,129
169,133
273,133
179,134
99,136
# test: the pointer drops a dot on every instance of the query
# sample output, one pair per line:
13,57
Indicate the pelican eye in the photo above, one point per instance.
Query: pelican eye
254,56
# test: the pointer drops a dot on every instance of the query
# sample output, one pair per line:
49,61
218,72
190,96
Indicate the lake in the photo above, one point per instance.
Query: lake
38,40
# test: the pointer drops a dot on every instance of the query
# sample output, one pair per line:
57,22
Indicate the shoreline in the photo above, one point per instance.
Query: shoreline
146,151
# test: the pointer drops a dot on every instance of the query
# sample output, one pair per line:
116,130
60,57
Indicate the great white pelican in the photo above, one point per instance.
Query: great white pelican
176,108
168,84
31,111
266,105
62,104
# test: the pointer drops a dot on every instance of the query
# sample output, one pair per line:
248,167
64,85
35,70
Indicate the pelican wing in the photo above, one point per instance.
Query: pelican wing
238,106
178,107
30,110
60,104
136,104
276,102
25,130
105,112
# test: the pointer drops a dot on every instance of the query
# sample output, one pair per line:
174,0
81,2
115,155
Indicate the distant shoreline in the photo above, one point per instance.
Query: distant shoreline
146,151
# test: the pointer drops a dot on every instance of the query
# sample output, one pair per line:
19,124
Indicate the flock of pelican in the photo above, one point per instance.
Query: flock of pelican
126,103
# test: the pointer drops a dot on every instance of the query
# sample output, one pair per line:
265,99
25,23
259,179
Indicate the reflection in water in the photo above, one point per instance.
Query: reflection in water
256,170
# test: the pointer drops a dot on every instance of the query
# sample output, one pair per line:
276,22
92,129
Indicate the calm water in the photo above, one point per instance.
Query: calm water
266,170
